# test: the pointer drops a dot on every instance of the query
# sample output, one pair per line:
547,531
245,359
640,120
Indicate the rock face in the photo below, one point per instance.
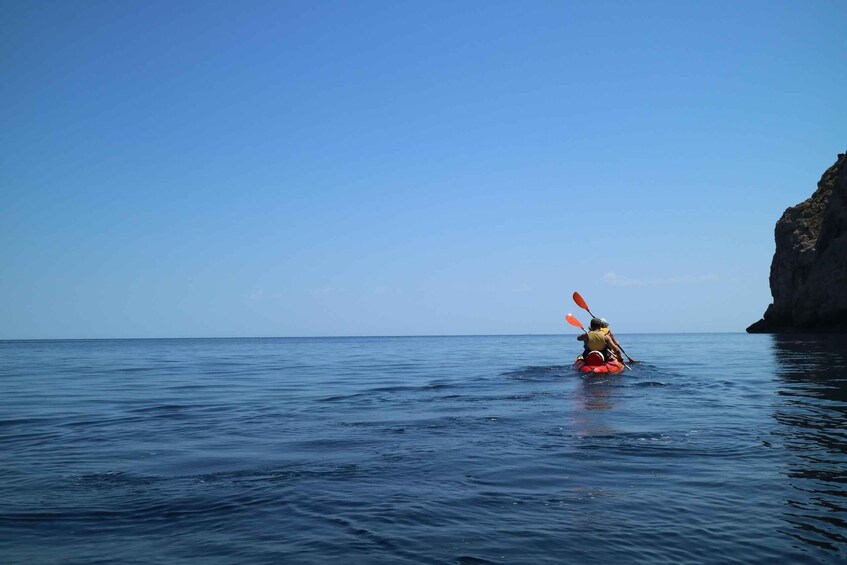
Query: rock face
809,269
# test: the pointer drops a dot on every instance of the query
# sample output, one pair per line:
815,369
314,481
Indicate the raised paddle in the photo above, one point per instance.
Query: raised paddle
580,301
574,322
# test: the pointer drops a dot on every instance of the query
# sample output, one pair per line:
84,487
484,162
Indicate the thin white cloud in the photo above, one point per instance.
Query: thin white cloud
614,279
322,291
257,294
261,295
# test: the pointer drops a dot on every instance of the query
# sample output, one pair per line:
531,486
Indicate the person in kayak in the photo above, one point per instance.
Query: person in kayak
598,340
604,327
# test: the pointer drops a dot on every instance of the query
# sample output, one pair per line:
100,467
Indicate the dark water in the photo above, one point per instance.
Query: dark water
717,449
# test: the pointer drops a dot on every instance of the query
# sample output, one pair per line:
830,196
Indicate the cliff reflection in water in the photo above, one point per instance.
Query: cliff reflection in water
812,411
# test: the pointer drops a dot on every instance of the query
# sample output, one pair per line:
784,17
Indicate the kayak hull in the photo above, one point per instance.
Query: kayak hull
612,367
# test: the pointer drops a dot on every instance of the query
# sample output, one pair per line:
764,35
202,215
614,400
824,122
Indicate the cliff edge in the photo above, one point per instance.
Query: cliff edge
809,269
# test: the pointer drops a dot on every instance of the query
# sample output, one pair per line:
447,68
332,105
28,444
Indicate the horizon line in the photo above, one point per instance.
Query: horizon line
342,336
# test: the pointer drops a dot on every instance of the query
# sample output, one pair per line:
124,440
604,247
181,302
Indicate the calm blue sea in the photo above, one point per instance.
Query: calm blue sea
717,448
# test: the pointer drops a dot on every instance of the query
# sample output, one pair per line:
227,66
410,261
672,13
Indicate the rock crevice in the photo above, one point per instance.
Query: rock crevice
808,277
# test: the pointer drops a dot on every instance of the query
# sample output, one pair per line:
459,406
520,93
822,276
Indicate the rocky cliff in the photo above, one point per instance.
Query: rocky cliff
809,269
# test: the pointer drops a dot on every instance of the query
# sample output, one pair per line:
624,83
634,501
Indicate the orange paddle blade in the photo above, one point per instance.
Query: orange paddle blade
573,321
580,301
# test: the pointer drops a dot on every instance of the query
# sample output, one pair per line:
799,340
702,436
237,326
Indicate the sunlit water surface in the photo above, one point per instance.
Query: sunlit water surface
717,448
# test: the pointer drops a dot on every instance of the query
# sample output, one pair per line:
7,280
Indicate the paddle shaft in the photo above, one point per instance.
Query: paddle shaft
619,347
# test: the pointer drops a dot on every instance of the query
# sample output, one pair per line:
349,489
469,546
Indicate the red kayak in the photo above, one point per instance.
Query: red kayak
613,366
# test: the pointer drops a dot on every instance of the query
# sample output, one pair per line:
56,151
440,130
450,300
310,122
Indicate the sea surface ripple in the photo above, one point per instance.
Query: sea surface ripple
716,448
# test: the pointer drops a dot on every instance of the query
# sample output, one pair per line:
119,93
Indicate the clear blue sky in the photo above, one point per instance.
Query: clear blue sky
392,168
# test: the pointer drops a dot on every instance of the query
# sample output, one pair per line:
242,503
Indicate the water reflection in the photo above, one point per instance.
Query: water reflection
593,398
596,393
812,412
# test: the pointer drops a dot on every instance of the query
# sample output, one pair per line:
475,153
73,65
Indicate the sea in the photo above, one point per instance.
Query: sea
713,448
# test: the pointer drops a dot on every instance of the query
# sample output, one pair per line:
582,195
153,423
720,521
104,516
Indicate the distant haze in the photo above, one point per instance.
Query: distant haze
392,168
